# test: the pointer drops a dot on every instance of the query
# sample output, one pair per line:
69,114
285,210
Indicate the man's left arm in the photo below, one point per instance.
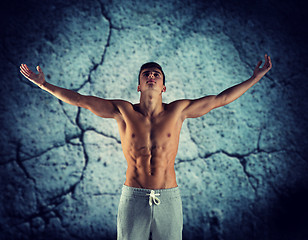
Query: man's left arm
199,107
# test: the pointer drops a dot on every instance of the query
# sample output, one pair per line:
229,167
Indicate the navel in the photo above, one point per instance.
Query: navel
169,135
133,135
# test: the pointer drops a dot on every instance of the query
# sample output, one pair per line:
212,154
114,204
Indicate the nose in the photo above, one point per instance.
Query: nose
151,75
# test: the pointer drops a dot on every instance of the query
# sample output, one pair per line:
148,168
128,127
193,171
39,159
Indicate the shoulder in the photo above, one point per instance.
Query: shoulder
179,104
122,105
192,108
177,107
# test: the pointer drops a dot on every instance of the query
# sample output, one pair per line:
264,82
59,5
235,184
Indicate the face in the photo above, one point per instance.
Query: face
151,78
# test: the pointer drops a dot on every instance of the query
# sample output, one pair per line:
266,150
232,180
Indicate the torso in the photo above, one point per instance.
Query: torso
150,145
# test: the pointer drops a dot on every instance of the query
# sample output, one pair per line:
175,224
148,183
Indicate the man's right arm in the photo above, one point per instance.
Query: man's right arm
101,107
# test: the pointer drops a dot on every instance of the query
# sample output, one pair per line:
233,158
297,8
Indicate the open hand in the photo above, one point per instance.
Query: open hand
38,79
260,72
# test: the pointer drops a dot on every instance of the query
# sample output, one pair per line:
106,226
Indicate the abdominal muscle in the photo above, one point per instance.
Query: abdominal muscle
151,168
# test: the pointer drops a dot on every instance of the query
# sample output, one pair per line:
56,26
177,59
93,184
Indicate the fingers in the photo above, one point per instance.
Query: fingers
266,59
259,64
39,69
268,62
25,71
25,68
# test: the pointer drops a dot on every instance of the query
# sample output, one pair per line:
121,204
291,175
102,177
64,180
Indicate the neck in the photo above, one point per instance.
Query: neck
151,104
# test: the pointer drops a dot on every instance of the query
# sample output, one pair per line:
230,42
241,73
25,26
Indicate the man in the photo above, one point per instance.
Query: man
149,131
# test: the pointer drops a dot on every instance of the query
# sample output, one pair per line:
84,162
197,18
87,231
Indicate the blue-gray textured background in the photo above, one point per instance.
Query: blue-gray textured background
242,169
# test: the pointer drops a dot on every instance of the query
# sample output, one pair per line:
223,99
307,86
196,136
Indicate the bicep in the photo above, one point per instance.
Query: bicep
198,107
99,106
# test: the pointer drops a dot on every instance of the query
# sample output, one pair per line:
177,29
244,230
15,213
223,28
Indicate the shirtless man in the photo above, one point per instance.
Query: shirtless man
149,131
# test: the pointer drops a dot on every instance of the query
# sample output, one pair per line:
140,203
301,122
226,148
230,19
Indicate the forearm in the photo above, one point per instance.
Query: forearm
63,94
232,93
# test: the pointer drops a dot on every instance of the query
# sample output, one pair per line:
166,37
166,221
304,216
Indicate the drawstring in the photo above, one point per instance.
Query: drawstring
153,198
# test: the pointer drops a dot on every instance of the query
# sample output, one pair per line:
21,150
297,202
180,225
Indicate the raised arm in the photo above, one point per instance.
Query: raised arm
201,106
101,107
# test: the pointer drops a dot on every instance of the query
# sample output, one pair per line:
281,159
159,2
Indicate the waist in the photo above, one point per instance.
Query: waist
160,179
166,193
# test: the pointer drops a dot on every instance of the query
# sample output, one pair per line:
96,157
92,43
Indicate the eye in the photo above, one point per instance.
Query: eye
156,74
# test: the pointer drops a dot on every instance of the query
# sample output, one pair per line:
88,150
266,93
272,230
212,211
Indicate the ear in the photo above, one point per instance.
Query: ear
138,88
164,89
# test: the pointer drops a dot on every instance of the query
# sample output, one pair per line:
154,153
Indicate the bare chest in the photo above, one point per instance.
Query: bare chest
142,132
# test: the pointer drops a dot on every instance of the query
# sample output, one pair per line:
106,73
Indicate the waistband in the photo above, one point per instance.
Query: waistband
142,192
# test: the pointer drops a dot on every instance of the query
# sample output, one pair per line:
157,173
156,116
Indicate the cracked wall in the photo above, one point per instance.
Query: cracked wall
242,169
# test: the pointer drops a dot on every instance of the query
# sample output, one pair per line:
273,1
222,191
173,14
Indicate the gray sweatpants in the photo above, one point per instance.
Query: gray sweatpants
145,211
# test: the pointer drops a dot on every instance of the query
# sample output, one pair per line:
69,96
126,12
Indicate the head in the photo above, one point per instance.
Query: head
151,65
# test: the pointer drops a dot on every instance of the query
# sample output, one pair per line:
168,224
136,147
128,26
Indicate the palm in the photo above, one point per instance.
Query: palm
260,72
38,79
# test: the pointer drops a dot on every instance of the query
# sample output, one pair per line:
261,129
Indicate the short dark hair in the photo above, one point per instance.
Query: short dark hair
151,65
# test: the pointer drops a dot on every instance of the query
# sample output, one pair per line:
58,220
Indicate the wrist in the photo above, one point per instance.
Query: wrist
255,78
43,85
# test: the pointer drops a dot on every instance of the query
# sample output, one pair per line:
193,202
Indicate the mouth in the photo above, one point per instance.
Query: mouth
151,81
